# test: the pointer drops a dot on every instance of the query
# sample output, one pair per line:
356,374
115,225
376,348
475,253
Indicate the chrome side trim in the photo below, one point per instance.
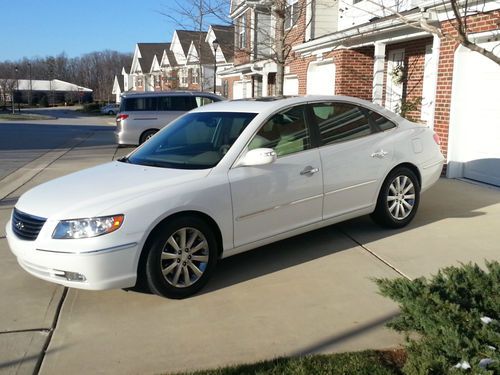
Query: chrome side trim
256,213
433,164
92,252
350,187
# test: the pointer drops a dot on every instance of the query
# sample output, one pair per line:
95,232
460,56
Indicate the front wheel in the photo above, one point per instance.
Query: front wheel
181,258
398,199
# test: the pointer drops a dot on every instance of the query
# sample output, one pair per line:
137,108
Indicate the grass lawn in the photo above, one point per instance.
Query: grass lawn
367,362
22,116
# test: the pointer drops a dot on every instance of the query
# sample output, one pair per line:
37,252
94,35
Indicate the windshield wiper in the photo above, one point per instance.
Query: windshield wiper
123,159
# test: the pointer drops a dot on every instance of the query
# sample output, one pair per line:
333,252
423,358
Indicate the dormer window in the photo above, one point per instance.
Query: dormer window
292,13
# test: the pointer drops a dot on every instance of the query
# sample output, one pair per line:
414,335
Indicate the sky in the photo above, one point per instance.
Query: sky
32,28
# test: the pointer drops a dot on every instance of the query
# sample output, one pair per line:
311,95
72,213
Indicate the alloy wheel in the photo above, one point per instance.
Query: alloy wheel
401,197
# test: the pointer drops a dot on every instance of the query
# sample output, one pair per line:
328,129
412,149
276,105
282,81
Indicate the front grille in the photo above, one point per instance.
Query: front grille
26,226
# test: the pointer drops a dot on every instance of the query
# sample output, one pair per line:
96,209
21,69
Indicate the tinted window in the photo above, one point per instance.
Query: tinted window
140,104
194,141
285,132
202,100
339,122
177,103
380,121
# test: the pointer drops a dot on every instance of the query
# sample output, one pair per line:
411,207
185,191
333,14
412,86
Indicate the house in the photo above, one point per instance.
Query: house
169,69
52,92
223,36
353,47
118,89
145,70
194,58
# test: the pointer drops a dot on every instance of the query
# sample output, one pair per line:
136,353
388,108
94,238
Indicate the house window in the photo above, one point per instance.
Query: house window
138,82
196,75
291,13
156,80
242,32
183,74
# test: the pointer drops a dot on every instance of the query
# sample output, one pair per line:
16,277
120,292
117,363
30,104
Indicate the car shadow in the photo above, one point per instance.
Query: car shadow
448,199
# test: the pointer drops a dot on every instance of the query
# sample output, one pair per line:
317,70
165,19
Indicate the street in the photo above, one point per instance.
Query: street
313,293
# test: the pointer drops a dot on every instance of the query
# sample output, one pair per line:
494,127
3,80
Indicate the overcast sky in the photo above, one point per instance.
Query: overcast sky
33,28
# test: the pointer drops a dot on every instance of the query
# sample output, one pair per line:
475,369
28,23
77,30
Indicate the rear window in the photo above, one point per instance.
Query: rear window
158,103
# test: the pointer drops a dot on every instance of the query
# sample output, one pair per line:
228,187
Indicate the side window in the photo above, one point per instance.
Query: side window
176,103
285,132
380,121
339,122
201,100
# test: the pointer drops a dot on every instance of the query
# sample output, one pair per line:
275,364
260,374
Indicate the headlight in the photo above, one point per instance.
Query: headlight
85,228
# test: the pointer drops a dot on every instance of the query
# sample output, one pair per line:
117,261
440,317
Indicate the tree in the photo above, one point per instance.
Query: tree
460,10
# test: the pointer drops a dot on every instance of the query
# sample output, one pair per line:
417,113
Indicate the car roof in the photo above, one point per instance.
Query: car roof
275,103
169,93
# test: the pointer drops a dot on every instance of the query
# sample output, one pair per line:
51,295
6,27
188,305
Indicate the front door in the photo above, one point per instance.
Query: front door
282,196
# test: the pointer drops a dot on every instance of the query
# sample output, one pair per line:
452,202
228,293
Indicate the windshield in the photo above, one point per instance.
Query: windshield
195,141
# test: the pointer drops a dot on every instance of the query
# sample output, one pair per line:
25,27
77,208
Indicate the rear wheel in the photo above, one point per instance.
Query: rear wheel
398,199
146,135
181,258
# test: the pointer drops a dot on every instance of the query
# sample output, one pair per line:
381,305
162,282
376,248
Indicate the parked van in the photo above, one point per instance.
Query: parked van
143,114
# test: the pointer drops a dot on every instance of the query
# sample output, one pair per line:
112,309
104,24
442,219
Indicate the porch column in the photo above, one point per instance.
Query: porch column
378,73
264,83
432,77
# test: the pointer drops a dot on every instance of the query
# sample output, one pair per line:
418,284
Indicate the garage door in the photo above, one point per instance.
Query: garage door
242,89
475,116
291,86
321,78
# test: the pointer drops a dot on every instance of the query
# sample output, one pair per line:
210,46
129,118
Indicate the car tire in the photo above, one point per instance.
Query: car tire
398,199
181,257
146,135
111,113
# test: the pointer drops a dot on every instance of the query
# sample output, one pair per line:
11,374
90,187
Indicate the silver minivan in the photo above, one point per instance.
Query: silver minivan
143,114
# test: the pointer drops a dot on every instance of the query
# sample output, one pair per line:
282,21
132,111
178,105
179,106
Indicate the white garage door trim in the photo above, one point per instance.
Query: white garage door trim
291,85
319,75
474,132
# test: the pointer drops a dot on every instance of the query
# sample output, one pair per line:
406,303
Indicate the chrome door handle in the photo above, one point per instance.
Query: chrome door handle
309,171
379,154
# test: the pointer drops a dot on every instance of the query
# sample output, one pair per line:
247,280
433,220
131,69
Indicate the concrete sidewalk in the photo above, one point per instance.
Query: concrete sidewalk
309,294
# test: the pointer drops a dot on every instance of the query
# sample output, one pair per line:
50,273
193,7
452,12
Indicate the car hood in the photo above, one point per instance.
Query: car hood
92,191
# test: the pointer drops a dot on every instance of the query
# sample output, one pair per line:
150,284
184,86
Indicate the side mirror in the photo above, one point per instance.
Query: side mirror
258,156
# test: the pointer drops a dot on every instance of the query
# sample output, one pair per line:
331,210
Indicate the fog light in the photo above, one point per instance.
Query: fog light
70,276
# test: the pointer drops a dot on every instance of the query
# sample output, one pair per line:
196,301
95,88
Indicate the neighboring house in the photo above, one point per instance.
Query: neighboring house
54,91
224,55
255,69
352,47
145,70
118,89
194,58
434,81
169,68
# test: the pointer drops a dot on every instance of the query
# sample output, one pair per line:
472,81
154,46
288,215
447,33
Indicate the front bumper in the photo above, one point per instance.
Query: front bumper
109,268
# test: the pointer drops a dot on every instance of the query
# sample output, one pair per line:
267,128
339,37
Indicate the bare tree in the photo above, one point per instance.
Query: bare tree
460,10
197,15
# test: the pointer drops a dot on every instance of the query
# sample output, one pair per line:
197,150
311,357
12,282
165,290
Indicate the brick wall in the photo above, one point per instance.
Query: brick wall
230,82
478,23
354,72
414,62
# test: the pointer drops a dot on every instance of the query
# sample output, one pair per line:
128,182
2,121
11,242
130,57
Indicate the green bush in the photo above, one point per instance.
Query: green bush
451,319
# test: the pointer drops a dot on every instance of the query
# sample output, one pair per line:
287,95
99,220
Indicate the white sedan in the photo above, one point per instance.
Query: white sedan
224,178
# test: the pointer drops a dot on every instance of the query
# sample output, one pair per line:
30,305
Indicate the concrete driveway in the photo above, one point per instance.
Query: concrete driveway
309,294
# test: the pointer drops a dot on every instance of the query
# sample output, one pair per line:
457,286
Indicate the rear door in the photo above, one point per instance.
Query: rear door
355,155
